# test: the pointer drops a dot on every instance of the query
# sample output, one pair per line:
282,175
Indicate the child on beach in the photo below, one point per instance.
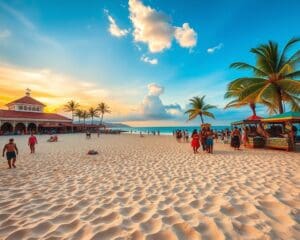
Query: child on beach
11,153
32,140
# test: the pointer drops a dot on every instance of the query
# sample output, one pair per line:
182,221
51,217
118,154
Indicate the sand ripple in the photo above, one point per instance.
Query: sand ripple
149,188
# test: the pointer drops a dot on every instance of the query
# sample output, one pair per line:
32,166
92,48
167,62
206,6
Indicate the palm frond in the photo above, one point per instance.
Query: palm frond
241,65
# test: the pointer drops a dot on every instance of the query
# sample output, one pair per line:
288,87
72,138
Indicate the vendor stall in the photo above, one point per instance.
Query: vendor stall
250,125
281,130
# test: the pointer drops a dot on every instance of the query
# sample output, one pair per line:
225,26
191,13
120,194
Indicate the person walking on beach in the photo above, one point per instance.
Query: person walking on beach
245,136
203,138
187,136
209,140
11,151
195,141
236,139
32,141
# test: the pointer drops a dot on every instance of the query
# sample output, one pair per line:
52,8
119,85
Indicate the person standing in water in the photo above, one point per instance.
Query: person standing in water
32,141
11,151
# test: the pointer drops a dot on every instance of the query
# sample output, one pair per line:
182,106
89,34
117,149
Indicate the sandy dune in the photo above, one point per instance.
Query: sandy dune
148,188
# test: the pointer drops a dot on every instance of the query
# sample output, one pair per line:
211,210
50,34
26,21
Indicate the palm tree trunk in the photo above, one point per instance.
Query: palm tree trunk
72,129
101,119
92,120
253,108
201,118
280,105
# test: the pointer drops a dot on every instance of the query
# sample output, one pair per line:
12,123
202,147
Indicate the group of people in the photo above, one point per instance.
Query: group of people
181,135
11,150
205,137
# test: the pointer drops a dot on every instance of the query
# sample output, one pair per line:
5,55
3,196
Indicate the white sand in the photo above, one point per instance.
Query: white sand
148,188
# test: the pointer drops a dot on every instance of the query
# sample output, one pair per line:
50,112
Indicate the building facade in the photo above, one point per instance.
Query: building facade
26,115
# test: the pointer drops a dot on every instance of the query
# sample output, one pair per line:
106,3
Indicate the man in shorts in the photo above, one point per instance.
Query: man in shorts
11,153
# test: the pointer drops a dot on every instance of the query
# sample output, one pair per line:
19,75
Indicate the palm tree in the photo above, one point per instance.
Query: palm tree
93,112
103,108
71,106
199,108
273,83
234,92
78,113
84,116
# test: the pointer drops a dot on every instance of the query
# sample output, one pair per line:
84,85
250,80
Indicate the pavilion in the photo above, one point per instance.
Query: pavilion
26,115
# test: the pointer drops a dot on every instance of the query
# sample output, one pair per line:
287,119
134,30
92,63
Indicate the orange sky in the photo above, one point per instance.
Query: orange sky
53,89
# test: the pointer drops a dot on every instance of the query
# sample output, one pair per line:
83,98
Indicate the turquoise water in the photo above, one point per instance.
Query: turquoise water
167,130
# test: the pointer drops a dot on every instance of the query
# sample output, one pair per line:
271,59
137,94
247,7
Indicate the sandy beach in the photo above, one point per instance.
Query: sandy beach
147,188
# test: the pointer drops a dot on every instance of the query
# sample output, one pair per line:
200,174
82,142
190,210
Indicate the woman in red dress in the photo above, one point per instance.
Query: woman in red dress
195,141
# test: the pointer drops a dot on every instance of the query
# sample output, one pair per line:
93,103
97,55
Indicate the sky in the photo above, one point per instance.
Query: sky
144,58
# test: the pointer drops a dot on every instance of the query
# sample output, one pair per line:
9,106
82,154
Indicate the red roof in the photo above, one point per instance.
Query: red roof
254,117
26,100
32,115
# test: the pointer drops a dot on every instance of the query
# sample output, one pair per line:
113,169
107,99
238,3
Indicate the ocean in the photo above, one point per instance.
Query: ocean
165,130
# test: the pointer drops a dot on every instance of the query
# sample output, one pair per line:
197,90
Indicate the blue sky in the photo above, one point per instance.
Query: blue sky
145,58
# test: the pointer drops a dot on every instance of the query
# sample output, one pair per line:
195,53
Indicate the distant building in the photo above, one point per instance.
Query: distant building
26,114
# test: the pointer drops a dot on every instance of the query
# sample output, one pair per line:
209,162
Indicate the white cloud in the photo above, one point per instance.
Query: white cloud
213,49
186,36
5,34
153,108
155,89
114,29
152,61
154,28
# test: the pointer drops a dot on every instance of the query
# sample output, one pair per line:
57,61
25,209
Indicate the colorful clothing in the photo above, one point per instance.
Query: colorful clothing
195,141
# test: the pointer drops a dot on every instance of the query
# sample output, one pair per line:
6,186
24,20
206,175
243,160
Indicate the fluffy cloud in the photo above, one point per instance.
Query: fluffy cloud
113,28
155,89
154,28
215,48
152,61
186,36
153,108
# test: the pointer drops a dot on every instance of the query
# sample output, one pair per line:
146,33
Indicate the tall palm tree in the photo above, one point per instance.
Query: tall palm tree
274,82
84,116
199,108
103,108
93,112
71,106
78,113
